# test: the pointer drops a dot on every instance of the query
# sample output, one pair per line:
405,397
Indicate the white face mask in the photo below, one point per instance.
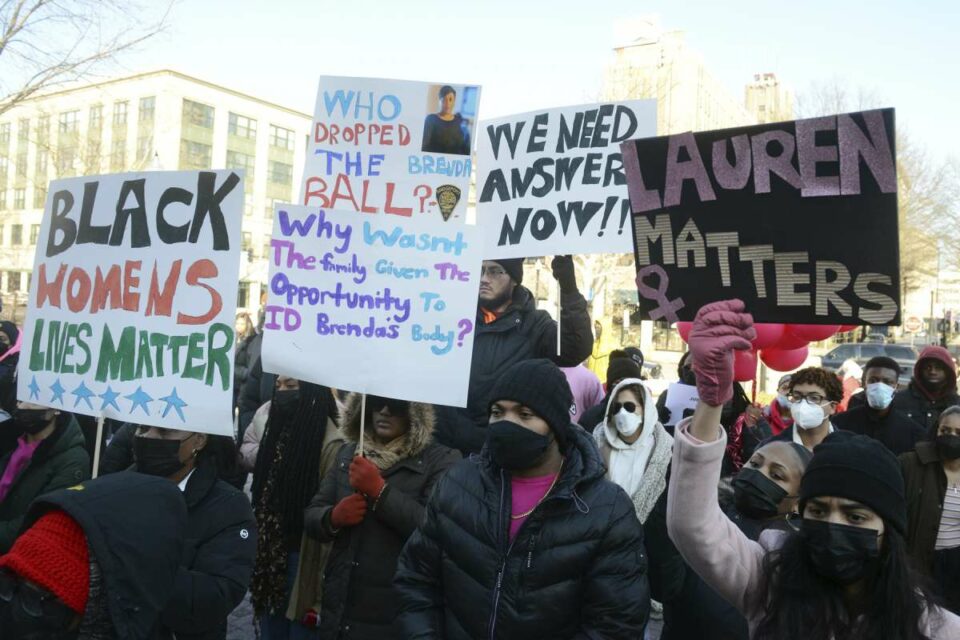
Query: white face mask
879,395
783,401
806,415
627,423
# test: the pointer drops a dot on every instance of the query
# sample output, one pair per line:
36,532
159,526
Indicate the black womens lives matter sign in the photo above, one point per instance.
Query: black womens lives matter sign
798,219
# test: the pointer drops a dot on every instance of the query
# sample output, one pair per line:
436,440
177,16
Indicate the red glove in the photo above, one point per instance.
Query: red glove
365,477
719,329
349,512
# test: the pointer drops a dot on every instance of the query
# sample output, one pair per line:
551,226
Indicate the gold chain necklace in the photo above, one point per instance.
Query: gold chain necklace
549,489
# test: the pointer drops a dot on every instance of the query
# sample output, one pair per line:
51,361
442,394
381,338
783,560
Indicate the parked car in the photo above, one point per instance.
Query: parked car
861,352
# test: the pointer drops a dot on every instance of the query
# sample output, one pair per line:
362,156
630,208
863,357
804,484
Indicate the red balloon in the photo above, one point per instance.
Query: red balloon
784,359
768,335
684,329
812,332
745,365
790,341
847,327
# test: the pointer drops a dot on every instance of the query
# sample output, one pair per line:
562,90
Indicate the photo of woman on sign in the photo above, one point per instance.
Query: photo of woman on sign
446,131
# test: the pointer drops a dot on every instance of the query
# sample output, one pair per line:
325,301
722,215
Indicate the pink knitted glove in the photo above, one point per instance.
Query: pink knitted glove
719,328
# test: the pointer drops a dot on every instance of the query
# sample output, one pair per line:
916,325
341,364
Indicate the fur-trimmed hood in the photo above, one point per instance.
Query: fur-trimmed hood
422,422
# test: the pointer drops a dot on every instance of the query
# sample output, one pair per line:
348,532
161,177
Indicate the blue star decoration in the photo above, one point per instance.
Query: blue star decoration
58,391
34,389
109,398
84,394
174,402
139,398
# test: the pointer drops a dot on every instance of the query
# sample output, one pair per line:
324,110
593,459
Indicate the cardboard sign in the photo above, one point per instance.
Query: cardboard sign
373,304
133,300
552,182
798,219
391,146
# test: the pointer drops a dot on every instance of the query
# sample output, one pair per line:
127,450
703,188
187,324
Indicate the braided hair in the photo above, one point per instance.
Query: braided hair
296,480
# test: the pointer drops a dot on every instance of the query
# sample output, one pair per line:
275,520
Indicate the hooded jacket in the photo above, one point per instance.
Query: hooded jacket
522,332
576,568
652,449
926,485
925,405
359,599
135,526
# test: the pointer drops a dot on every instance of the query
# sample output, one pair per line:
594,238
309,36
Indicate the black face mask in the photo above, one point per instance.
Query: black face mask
757,496
32,421
156,456
840,553
286,401
515,448
948,447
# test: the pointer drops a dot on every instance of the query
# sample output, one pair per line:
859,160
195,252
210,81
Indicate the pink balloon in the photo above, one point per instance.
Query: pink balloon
745,365
784,359
684,329
812,332
768,335
790,341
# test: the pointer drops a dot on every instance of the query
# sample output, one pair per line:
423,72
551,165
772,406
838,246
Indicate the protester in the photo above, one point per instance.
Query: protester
300,429
254,434
98,561
762,496
248,341
932,478
850,374
510,329
586,389
368,507
622,364
776,416
732,410
877,419
49,455
256,390
221,532
9,358
634,446
845,574
932,389
814,396
527,540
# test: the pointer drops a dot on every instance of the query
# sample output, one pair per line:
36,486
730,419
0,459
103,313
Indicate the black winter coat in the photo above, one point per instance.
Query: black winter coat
522,332
135,526
248,352
895,430
576,569
918,407
221,543
256,390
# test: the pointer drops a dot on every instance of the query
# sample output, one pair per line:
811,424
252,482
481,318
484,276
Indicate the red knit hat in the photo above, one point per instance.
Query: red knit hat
53,554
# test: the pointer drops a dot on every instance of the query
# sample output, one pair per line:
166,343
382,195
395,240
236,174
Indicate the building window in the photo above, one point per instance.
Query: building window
246,240
1,234
195,155
68,121
65,158
5,133
4,168
16,233
19,199
242,126
23,130
118,155
147,109
43,157
144,147
92,161
120,113
281,138
197,114
22,163
281,173
237,160
3,205
96,118
266,250
243,294
43,129
13,281
39,198
34,233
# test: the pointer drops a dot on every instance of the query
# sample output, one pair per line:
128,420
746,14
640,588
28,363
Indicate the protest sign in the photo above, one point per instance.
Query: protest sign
132,305
551,182
391,146
682,400
373,304
798,219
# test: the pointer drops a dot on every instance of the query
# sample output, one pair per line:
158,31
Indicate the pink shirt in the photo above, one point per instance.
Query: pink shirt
525,494
19,460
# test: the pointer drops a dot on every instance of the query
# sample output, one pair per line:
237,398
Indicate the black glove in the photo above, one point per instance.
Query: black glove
563,271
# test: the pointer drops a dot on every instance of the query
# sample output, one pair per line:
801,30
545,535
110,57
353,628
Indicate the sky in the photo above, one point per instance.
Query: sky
533,54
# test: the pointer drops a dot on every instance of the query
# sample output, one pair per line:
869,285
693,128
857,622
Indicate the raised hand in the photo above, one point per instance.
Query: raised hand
719,329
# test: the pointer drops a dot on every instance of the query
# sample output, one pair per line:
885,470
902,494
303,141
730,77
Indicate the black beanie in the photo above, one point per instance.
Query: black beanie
621,366
857,468
541,386
513,267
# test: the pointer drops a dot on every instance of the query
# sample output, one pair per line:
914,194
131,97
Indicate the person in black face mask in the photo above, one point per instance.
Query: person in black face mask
932,477
766,490
50,454
535,507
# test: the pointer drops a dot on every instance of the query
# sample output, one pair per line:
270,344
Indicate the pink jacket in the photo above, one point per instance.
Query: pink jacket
715,548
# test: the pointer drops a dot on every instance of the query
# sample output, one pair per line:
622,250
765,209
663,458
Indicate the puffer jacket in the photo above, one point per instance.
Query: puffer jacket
921,404
359,600
522,332
576,569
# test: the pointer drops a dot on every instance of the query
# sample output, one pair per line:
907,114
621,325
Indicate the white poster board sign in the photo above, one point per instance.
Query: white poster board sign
681,398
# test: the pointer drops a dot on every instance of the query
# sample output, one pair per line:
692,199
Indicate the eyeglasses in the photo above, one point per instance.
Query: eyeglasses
493,272
812,398
35,602
396,407
631,407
